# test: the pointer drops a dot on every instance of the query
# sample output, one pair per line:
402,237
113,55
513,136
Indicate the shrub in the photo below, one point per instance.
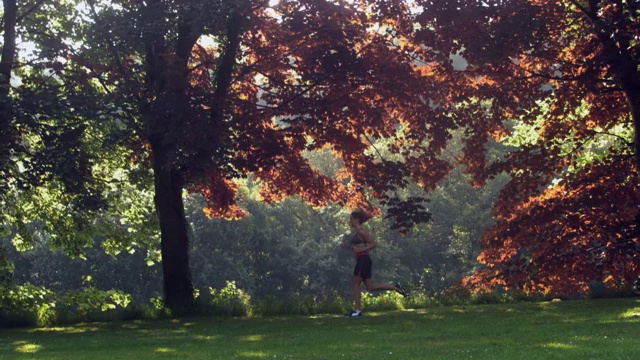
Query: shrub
493,297
383,302
27,305
418,300
228,301
91,304
454,295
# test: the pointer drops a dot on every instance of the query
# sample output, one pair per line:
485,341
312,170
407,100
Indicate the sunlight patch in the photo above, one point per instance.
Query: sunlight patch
66,329
253,354
561,346
207,338
252,338
631,314
165,350
26,347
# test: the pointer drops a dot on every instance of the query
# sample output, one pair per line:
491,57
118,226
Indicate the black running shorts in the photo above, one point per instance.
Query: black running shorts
363,267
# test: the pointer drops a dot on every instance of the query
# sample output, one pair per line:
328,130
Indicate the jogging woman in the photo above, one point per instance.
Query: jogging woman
361,243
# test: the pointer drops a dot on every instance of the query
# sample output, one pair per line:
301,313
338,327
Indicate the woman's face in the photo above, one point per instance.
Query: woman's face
353,222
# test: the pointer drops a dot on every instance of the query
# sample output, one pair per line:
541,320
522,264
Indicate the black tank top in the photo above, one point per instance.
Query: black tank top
356,240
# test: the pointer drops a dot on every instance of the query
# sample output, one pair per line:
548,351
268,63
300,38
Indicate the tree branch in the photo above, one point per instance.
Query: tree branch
31,10
625,141
112,49
610,90
532,76
224,75
587,12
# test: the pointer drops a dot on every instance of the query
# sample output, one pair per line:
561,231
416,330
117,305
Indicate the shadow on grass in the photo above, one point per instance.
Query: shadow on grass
581,329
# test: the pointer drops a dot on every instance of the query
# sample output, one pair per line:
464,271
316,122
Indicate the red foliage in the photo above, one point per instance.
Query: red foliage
538,62
580,231
220,196
311,75
317,76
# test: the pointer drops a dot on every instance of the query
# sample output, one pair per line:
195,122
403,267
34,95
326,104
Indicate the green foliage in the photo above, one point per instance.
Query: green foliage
27,305
157,303
227,301
418,300
386,301
494,297
281,250
284,256
454,295
583,150
458,295
31,305
127,272
92,299
7,268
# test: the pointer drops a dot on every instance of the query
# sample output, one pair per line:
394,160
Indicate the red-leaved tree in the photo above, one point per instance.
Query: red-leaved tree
230,89
562,78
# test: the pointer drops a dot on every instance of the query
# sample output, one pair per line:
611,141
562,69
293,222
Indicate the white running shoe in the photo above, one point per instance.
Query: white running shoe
353,314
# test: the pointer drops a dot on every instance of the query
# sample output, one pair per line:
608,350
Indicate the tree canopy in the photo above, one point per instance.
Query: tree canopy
119,96
561,80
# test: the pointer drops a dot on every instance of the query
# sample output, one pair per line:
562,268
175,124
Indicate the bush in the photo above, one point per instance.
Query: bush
27,305
418,300
228,301
91,304
454,295
493,297
383,302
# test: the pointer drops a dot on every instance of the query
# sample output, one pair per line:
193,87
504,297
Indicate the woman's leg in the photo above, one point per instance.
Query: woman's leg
356,291
371,286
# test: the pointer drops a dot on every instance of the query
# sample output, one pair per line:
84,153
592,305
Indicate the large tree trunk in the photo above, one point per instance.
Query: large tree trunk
632,91
624,65
633,97
167,79
626,69
178,288
7,135
9,45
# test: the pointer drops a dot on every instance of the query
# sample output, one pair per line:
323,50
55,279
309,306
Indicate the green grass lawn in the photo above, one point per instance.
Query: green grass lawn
595,329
